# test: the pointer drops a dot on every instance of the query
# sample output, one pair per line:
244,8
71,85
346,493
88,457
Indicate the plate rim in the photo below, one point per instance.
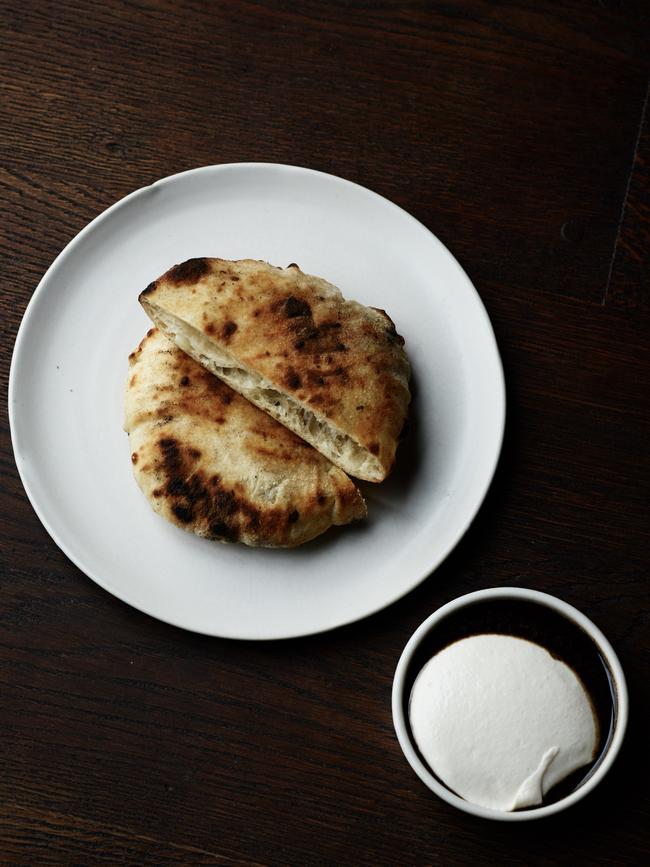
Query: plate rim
499,415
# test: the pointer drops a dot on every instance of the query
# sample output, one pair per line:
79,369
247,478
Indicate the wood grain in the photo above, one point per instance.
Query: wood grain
516,132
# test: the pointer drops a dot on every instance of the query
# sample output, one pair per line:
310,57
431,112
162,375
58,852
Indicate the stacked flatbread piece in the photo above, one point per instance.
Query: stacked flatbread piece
257,392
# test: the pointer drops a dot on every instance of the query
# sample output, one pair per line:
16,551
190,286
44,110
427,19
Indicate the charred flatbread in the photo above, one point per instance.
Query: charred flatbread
212,463
331,370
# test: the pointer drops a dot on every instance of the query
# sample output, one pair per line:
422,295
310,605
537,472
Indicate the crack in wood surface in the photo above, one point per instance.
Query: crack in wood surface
626,194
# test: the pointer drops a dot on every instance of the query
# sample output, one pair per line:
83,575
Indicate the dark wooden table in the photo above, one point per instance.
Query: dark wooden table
516,132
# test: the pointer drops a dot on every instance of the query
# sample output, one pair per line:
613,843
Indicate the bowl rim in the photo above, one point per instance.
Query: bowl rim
571,613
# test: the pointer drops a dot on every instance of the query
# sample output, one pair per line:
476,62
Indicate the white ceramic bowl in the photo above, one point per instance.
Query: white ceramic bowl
403,680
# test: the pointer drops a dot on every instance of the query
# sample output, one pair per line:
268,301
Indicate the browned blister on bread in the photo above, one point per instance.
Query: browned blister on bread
331,370
212,463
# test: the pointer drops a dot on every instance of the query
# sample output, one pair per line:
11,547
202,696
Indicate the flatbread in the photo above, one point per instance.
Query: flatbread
212,463
333,371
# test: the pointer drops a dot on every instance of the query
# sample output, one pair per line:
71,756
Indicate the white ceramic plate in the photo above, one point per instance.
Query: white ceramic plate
70,364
